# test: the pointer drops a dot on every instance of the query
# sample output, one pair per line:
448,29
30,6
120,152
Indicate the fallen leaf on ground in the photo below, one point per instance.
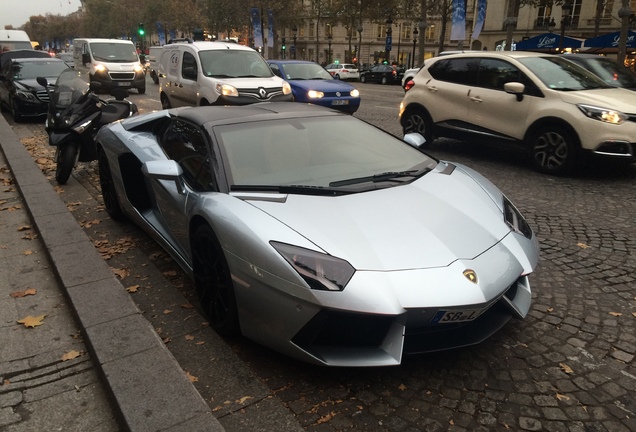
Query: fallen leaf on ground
31,321
565,368
616,314
28,252
200,343
71,355
6,382
192,378
133,288
244,399
189,337
122,272
187,306
26,292
170,273
560,396
402,387
582,245
24,227
167,311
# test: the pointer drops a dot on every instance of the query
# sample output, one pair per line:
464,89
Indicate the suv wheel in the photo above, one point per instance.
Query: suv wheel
165,103
418,121
363,78
384,80
554,150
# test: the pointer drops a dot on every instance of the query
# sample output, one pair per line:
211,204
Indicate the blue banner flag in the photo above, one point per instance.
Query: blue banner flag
258,28
270,28
458,21
481,17
161,32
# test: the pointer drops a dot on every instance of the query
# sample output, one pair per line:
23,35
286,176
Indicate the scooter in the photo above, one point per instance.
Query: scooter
75,115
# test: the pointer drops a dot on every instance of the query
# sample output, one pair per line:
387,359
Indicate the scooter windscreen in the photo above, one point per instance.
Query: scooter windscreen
70,86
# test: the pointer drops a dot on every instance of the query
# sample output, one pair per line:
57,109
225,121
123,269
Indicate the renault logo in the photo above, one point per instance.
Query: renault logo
262,92
471,275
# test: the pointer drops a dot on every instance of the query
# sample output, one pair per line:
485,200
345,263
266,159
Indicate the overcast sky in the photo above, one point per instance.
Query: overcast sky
17,12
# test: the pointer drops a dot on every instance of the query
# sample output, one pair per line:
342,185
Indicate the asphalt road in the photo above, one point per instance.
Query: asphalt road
569,366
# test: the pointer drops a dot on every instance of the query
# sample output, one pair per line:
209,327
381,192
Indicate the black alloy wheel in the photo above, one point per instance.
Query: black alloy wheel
384,80
15,111
363,78
554,150
214,283
165,103
109,193
65,159
417,120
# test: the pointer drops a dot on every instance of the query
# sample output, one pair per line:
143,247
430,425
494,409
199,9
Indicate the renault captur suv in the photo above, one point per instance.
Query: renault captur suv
556,109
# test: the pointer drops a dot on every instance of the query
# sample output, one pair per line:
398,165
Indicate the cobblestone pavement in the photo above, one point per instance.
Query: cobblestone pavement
569,366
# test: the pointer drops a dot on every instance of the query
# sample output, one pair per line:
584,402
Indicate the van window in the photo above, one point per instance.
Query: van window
114,52
189,69
234,64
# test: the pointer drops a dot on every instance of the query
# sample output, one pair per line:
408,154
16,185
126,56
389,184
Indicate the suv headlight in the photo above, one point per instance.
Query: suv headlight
603,114
286,88
227,90
315,94
100,68
24,94
354,93
320,271
515,220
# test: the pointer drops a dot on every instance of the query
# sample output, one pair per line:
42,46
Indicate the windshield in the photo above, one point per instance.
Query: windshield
114,52
234,64
317,152
611,72
560,74
32,69
70,86
306,71
14,45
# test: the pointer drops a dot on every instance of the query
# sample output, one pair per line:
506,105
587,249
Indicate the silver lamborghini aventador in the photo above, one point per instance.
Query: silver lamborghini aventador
319,235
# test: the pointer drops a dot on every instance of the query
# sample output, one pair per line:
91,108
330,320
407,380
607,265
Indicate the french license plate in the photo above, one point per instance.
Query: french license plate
340,102
455,316
123,84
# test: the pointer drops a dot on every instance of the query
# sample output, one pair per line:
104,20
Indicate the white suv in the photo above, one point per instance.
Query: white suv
217,73
555,108
344,71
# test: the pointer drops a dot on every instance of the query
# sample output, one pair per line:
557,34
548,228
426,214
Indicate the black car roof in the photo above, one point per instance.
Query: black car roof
221,115
25,53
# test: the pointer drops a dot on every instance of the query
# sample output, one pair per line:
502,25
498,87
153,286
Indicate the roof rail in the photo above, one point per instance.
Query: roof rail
188,40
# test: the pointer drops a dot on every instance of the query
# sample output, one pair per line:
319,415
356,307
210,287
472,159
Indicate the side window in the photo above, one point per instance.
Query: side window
185,144
494,73
189,67
460,70
275,69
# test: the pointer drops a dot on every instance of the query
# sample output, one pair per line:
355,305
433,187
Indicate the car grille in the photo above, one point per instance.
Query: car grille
631,117
43,95
261,93
122,75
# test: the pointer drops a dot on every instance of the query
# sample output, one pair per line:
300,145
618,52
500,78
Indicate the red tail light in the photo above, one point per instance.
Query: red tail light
409,84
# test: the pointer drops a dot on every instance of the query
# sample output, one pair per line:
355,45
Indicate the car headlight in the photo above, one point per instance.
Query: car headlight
320,271
313,94
227,90
138,69
354,93
515,220
286,88
24,95
100,68
603,114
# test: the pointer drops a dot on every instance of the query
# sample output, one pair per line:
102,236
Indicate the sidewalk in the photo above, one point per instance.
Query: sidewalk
50,271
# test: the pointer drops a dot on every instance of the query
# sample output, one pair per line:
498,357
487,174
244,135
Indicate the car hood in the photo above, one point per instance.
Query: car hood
29,84
431,222
322,85
615,98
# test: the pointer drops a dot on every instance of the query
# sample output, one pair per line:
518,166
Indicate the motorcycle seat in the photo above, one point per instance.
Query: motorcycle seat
115,110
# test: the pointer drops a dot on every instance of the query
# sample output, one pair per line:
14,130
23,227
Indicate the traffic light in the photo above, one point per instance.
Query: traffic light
284,47
140,29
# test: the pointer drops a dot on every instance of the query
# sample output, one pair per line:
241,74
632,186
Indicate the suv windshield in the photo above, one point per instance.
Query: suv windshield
234,64
32,70
306,71
114,52
561,74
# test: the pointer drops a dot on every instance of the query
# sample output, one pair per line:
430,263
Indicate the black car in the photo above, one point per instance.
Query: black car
605,68
19,90
383,74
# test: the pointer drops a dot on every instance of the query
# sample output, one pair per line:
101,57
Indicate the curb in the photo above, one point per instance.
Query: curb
149,389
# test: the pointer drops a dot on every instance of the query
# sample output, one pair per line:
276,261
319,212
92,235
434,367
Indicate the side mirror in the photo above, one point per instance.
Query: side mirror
165,170
95,86
119,93
86,58
414,139
42,81
515,88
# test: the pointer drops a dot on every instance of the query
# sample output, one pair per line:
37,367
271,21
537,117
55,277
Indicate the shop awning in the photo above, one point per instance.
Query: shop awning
610,40
547,42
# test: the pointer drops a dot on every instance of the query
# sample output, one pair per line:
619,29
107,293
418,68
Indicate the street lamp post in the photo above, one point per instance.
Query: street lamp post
359,44
566,9
329,37
415,33
295,34
389,41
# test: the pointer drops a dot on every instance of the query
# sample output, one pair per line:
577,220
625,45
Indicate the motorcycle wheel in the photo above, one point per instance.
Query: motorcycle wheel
65,158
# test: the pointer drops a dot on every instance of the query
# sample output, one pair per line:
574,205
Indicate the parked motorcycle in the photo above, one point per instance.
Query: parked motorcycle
75,115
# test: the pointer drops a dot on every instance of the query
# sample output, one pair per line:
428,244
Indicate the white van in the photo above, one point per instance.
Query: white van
111,62
152,62
14,40
217,73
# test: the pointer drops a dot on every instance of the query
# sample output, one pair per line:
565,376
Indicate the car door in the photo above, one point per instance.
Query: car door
189,85
447,93
186,144
490,107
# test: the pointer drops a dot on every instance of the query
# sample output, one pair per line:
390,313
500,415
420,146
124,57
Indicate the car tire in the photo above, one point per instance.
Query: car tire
154,76
417,120
15,112
141,90
109,193
384,80
554,150
363,79
165,103
65,159
337,77
213,282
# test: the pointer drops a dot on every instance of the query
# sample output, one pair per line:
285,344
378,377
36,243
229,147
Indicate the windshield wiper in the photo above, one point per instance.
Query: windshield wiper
386,176
289,189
